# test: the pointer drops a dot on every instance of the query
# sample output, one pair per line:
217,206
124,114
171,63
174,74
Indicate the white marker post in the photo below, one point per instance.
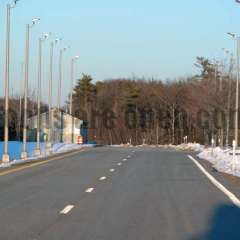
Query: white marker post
212,141
234,155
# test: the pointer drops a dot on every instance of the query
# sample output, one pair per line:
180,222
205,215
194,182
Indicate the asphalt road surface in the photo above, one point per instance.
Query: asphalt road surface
116,194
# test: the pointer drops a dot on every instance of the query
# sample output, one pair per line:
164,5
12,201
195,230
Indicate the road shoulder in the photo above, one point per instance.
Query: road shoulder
230,182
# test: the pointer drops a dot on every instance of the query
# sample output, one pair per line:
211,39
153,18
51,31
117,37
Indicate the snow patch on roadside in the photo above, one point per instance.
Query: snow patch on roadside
222,160
189,147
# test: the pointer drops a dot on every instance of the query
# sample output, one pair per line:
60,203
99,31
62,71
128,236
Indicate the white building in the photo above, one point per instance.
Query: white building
65,128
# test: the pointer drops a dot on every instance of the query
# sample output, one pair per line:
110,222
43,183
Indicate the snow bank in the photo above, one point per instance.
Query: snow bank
222,160
182,147
63,147
189,147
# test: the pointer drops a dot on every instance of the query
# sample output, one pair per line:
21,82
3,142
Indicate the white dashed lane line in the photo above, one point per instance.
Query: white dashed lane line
89,190
67,209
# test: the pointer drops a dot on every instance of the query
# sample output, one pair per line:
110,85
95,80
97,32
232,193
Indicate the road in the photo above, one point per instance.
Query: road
115,194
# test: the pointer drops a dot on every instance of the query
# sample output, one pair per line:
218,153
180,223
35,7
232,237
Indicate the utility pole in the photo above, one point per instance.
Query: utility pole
39,94
60,80
24,147
72,83
229,100
237,40
50,79
5,157
237,94
49,143
38,149
60,92
60,77
20,118
72,80
71,93
136,125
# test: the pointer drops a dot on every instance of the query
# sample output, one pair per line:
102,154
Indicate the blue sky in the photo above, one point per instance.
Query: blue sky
151,38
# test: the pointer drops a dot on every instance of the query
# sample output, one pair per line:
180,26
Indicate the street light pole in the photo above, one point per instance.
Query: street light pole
49,144
237,39
229,96
60,91
60,77
7,74
5,157
24,147
72,79
216,65
237,93
60,80
59,125
72,83
40,41
24,151
71,93
50,116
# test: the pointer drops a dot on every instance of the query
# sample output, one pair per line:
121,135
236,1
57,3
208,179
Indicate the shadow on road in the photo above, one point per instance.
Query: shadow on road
224,225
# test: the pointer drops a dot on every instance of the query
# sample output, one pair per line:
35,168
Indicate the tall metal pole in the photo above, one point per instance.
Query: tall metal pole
71,93
216,76
59,97
49,144
24,147
60,79
5,157
72,79
229,99
237,92
60,91
38,149
136,133
71,97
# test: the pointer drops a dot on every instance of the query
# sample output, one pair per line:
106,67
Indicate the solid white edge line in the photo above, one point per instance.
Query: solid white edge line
89,190
67,209
230,195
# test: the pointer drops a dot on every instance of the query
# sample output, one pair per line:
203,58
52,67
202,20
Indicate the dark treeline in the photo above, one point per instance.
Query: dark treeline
153,111
149,111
